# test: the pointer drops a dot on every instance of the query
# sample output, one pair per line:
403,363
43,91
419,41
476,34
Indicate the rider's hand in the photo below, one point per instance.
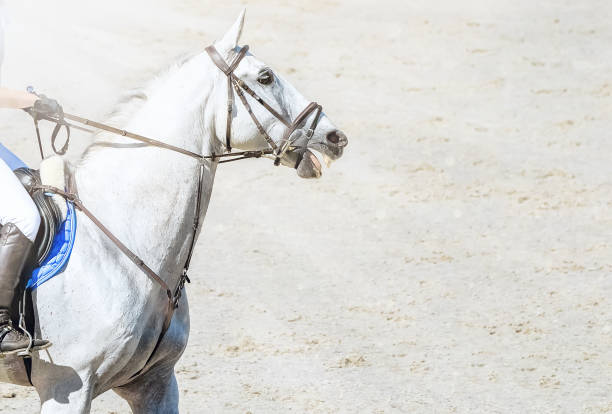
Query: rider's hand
45,107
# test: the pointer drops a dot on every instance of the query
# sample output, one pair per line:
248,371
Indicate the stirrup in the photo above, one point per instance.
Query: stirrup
25,353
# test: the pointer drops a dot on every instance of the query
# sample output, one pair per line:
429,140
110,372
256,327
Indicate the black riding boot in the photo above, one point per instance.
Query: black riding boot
15,249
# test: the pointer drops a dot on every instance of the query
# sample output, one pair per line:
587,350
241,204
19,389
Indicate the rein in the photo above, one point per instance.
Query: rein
275,151
160,144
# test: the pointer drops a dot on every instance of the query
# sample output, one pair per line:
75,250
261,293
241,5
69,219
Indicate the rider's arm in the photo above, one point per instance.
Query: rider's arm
16,99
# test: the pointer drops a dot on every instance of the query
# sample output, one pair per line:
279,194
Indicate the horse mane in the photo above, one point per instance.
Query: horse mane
130,102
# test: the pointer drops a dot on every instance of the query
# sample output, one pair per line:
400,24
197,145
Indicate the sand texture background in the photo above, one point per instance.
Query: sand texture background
458,258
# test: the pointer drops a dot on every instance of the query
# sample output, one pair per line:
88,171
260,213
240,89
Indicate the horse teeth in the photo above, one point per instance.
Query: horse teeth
328,161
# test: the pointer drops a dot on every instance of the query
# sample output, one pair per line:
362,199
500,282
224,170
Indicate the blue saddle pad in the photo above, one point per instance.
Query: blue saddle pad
62,243
10,159
60,251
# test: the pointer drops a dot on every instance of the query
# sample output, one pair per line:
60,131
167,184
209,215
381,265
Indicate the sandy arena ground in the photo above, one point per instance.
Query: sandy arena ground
458,259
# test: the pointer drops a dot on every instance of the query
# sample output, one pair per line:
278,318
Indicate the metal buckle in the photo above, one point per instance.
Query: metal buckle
179,288
184,278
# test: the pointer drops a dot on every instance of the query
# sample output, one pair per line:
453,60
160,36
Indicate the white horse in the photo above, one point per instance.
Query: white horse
103,314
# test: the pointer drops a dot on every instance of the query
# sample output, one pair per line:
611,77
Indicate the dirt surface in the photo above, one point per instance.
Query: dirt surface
457,259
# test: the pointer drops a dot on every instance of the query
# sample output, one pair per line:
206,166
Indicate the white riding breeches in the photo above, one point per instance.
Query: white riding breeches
16,205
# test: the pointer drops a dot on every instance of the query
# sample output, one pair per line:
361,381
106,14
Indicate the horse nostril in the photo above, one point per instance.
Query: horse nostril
337,138
333,137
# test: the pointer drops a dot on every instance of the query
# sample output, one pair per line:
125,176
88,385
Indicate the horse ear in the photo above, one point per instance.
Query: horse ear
231,38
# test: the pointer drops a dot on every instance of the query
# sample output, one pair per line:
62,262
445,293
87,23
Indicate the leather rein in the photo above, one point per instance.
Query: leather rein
276,151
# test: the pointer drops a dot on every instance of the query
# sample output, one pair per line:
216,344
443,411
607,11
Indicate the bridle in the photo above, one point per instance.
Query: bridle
277,150
236,84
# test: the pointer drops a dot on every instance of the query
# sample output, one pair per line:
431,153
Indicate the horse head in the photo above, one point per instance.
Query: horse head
288,122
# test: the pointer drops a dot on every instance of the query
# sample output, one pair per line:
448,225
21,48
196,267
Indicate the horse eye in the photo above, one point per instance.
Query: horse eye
265,77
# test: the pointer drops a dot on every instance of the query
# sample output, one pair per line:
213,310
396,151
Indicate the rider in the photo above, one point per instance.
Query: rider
19,223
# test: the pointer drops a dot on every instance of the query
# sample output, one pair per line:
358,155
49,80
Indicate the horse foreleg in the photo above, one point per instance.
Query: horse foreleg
65,395
156,392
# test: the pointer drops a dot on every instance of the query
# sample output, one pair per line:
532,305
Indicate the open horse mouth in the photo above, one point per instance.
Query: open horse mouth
310,166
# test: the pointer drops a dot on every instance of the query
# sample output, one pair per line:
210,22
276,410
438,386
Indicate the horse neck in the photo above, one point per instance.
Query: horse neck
147,195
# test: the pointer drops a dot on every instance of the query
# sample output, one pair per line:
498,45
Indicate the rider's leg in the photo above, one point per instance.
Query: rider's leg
16,205
20,221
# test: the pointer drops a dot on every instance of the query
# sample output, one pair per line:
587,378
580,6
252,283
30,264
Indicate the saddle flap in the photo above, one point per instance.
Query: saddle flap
50,215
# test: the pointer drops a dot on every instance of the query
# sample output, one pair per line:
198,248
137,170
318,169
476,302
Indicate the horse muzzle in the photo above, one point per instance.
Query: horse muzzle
331,148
